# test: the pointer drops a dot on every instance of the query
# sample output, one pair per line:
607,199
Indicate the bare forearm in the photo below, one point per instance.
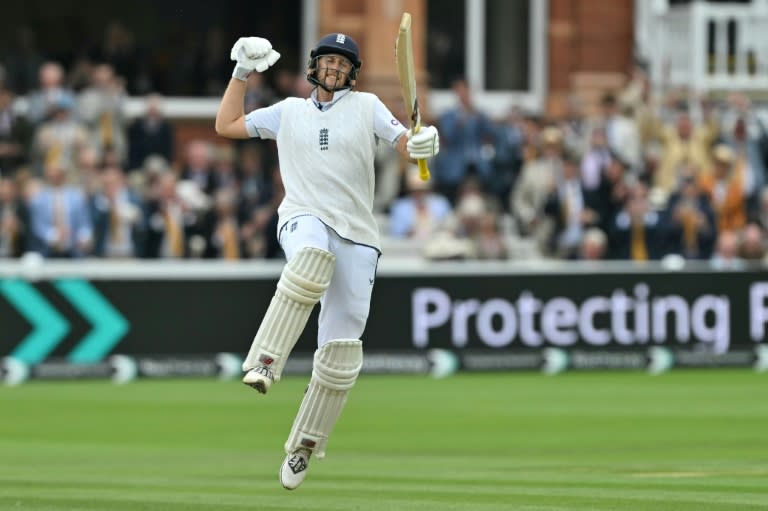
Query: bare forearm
229,118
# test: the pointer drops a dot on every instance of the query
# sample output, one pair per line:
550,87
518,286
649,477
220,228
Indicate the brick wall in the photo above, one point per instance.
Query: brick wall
590,49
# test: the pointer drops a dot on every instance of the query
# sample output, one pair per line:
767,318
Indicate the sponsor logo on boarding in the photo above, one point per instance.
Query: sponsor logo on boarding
619,317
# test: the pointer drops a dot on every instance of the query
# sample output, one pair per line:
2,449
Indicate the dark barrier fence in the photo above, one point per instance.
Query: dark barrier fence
121,320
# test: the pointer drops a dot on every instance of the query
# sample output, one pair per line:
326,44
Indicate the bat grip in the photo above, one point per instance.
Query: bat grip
423,170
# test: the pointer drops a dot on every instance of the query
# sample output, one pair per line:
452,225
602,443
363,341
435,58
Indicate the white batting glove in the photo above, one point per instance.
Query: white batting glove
423,145
252,54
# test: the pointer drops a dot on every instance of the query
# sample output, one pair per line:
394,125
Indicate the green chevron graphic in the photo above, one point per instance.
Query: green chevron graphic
109,326
49,327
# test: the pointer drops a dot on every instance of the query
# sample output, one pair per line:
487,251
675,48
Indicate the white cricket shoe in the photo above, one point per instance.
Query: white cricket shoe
260,378
294,468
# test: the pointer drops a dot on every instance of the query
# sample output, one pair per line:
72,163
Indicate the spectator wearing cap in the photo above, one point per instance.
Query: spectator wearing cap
724,186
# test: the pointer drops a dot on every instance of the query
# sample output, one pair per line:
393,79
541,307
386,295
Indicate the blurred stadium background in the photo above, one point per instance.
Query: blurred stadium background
615,151
599,211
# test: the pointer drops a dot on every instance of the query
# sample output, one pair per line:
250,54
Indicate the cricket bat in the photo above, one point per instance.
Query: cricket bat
404,55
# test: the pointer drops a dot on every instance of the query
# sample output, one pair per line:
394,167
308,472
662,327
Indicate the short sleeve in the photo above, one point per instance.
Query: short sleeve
385,125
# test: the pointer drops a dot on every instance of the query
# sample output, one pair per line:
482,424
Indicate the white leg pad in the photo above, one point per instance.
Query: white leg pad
335,369
302,283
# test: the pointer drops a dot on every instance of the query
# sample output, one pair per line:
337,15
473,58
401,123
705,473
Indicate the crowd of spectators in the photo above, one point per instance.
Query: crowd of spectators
639,178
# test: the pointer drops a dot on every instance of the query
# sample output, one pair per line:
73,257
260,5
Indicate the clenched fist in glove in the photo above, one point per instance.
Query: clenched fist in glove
252,54
424,144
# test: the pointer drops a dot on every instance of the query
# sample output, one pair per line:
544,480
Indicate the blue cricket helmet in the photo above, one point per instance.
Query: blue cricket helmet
341,44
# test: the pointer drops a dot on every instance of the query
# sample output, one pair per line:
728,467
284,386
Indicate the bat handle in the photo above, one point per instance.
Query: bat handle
423,170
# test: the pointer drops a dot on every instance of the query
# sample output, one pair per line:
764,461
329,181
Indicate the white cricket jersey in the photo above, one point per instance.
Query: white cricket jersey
326,158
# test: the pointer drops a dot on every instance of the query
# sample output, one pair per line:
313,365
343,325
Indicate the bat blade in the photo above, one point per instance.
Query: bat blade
407,74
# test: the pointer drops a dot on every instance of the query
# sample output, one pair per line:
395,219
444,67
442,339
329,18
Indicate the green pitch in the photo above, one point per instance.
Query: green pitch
686,440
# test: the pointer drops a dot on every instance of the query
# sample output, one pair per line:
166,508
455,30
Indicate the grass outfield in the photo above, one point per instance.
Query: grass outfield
686,440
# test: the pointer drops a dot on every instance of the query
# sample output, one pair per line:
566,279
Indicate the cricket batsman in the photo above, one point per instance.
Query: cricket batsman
326,145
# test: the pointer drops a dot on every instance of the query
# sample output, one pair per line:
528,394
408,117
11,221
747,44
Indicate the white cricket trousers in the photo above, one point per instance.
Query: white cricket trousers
345,305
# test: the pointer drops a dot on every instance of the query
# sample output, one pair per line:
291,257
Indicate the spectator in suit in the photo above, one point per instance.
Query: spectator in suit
748,138
724,186
46,98
60,218
567,207
538,178
221,227
575,126
198,166
421,212
14,220
637,231
57,141
690,220
117,217
22,59
100,107
259,227
120,51
165,216
621,131
611,194
150,134
224,168
255,182
15,134
595,159
760,215
508,155
683,145
465,131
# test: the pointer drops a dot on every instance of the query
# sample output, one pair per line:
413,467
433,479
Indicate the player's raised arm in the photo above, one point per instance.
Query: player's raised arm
251,54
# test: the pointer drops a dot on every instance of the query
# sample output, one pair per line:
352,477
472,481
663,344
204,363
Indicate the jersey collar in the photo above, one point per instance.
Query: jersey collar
325,106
